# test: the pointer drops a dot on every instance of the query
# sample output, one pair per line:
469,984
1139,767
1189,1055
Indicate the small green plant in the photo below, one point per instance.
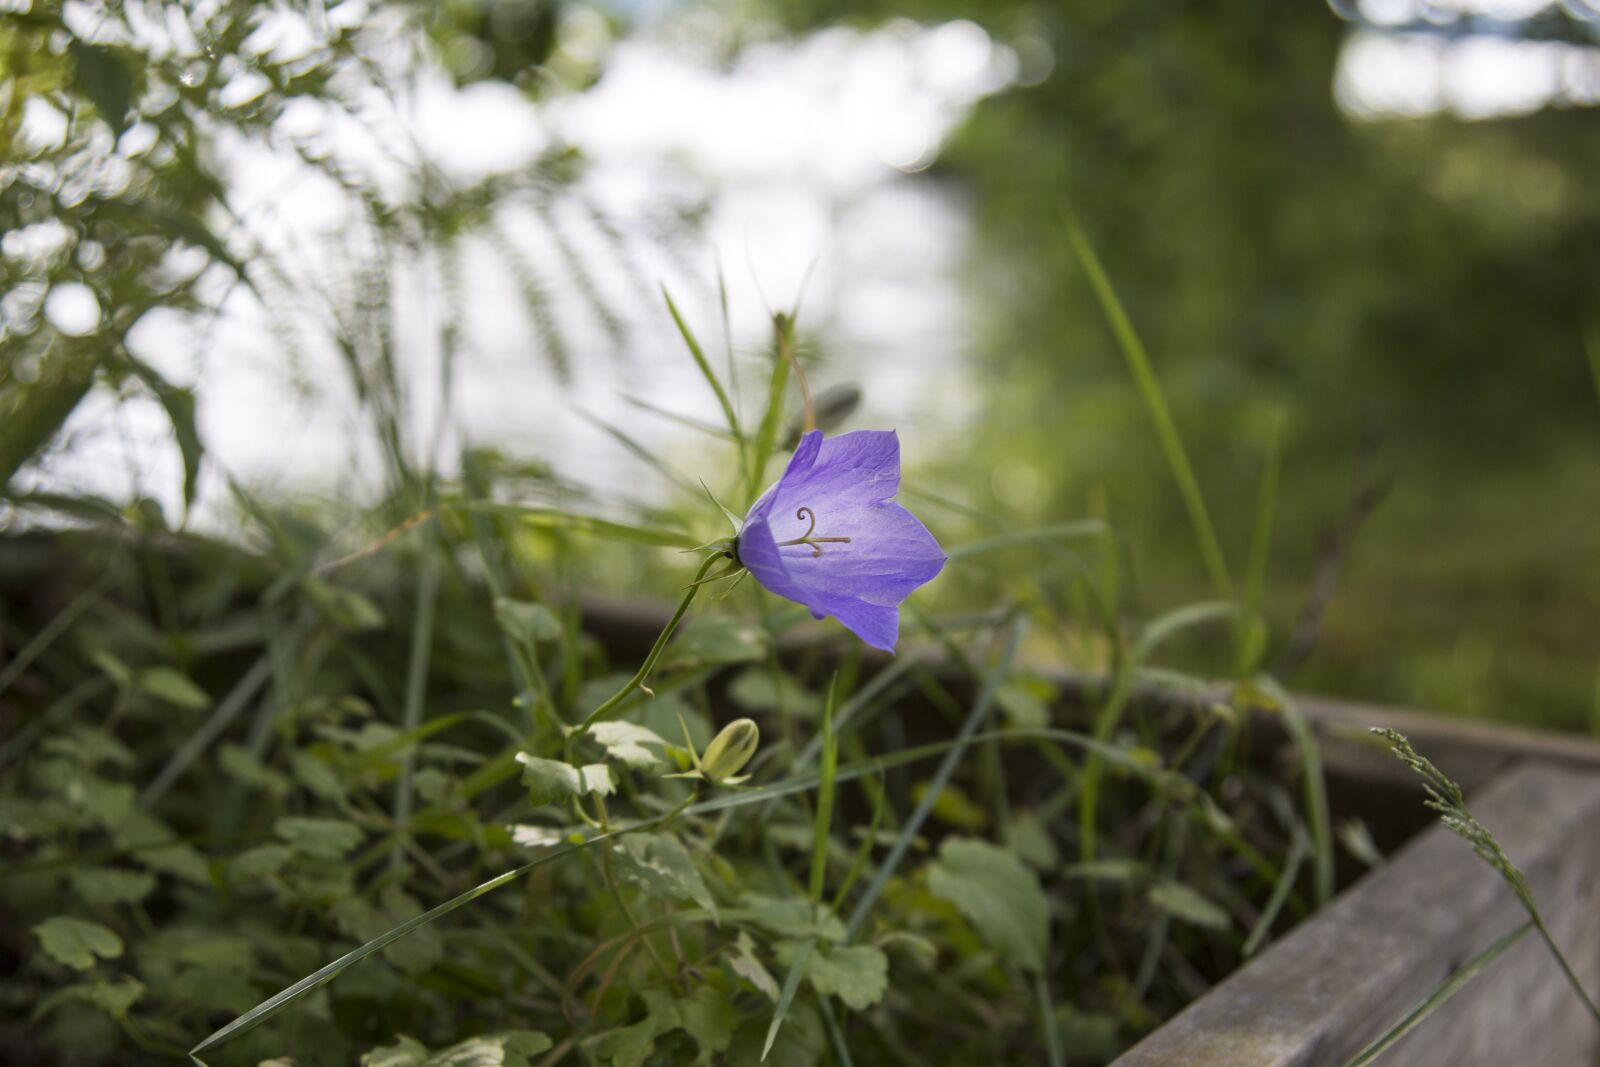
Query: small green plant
1445,797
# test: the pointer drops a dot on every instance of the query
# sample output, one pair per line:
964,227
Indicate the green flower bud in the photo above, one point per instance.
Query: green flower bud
730,750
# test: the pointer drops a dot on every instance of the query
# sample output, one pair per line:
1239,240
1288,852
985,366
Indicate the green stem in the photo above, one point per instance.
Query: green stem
637,681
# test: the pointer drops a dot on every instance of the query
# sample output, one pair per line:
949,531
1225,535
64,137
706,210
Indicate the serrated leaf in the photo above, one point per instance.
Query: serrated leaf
113,996
77,942
513,1048
709,641
659,865
758,689
151,843
998,894
794,918
239,764
1189,905
625,741
526,621
320,837
744,963
106,887
705,1015
856,974
552,781
257,863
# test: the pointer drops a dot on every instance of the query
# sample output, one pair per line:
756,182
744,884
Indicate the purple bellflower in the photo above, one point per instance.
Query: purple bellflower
828,535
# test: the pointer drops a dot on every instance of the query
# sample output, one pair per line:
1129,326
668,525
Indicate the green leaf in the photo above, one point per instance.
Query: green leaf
762,689
257,863
101,75
712,641
705,1015
151,843
625,741
552,781
239,764
114,996
76,942
659,865
1025,703
513,1048
216,988
324,838
179,405
794,918
526,621
1188,905
856,974
998,894
106,887
747,965
1032,841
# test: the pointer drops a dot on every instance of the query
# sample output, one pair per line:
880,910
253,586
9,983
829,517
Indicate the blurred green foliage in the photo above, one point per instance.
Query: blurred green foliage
1407,298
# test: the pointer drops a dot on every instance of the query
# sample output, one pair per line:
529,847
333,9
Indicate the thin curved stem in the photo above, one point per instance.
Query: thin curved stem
637,681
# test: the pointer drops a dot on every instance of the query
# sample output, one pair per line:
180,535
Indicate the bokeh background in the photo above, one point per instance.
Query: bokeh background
292,251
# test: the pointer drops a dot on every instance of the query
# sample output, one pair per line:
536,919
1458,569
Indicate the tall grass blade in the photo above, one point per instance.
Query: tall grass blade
416,686
705,369
767,434
1439,997
1085,529
1155,403
791,983
822,834
555,518
1280,896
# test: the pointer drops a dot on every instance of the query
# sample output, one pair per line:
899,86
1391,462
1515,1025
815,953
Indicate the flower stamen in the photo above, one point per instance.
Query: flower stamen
816,543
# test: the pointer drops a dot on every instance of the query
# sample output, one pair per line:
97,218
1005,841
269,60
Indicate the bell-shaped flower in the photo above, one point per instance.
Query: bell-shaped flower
829,535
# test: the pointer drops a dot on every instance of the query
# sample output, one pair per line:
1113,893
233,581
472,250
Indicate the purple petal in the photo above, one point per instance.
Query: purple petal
845,487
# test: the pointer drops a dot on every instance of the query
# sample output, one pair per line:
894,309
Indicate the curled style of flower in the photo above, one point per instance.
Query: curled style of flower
828,534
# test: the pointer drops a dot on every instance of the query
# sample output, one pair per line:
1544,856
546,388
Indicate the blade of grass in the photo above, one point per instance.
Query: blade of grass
705,368
689,421
1083,529
53,630
1168,625
416,683
767,434
1280,895
841,1051
824,824
791,983
1047,1022
1437,999
1155,403
555,518
627,441
1316,790
202,739
1255,569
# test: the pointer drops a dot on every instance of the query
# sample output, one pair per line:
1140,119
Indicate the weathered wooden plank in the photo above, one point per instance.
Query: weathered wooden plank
1344,976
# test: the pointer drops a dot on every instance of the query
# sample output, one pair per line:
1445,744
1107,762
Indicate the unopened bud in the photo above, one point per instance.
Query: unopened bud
730,750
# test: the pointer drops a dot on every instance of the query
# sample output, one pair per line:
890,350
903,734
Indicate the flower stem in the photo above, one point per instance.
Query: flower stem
637,681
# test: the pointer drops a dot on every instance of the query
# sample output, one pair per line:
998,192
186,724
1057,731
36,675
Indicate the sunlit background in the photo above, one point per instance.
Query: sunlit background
1362,238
